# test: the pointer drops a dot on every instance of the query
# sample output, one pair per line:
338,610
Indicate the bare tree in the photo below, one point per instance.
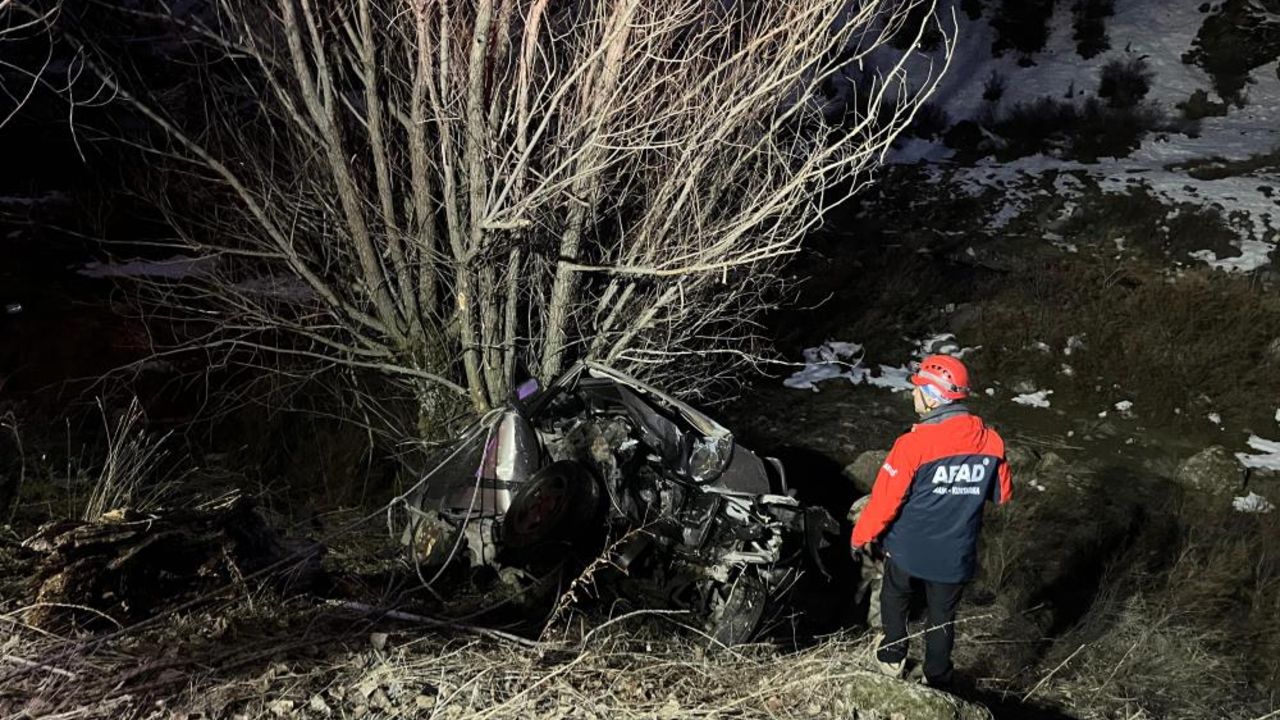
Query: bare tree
437,191
26,54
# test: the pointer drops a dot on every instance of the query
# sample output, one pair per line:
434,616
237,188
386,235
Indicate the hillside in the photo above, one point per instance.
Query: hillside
1086,212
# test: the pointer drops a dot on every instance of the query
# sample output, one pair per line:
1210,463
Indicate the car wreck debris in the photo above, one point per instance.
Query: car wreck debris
713,528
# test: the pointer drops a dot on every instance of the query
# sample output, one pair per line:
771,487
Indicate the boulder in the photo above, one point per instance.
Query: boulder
1050,461
862,471
1021,459
1213,471
966,319
1103,429
884,697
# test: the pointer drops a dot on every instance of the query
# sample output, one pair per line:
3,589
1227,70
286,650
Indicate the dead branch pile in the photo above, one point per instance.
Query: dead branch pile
127,564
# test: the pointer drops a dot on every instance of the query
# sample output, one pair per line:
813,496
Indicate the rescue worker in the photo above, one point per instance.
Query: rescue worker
926,511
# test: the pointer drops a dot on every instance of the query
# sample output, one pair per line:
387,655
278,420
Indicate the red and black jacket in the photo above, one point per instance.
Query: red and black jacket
927,502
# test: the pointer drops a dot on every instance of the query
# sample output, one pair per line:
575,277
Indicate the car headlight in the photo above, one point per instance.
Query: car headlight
708,458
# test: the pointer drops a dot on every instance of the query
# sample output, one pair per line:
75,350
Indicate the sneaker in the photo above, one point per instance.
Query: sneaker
892,669
936,683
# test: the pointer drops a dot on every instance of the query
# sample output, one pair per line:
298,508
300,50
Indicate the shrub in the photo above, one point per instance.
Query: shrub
328,183
963,137
993,88
930,122
1231,43
1090,26
1200,106
1108,131
971,8
1085,133
1021,25
1124,83
1036,127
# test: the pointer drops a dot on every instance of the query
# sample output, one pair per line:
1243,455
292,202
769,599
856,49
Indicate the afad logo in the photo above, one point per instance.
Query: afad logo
970,474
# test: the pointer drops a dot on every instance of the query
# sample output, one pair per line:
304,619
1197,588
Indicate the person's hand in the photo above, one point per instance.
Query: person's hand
870,550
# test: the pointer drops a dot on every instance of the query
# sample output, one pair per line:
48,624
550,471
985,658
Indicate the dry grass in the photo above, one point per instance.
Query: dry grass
1165,342
267,659
131,473
1181,623
1226,580
1140,656
13,473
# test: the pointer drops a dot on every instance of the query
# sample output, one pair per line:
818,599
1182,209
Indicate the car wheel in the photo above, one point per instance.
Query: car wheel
738,608
558,503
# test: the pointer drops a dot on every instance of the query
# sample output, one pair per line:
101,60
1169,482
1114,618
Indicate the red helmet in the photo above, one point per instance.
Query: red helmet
944,373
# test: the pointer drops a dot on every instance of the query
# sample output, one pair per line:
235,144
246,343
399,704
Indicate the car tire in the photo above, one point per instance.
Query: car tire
559,503
738,609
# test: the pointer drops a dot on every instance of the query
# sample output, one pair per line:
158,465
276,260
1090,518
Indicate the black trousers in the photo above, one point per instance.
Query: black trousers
942,600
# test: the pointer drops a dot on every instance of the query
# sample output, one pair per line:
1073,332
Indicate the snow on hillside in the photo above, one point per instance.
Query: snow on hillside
1159,32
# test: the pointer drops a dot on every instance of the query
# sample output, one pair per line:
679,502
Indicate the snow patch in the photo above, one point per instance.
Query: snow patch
1252,503
896,379
833,360
942,344
1267,458
1160,33
1039,398
280,287
174,268
828,361
34,200
1254,254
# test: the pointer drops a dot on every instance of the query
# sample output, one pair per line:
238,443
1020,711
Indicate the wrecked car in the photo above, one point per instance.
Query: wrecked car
600,465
